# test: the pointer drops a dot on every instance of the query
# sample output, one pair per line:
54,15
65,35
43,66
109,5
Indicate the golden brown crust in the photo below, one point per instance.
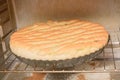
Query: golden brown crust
58,40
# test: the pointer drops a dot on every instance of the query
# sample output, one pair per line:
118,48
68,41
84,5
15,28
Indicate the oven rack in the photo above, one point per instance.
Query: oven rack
107,61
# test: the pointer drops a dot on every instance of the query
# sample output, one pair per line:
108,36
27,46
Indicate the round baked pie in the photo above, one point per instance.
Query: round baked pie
58,40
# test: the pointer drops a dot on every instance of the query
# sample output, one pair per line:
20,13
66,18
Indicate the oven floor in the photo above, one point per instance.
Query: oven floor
79,76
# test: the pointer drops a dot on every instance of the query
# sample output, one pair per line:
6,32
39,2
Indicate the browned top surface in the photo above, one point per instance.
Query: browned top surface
58,40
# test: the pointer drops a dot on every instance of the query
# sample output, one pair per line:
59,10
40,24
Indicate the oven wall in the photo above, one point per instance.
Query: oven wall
27,12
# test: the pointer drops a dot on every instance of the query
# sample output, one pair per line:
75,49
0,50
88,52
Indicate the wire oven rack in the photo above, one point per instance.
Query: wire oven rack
107,61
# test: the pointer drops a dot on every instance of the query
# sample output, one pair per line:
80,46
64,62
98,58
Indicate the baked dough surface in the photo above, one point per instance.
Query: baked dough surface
58,40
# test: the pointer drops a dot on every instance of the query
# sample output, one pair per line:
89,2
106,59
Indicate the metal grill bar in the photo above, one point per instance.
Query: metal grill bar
26,67
10,64
5,60
62,71
7,35
113,55
16,68
104,59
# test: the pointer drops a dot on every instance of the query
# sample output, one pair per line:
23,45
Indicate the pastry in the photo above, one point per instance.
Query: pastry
58,40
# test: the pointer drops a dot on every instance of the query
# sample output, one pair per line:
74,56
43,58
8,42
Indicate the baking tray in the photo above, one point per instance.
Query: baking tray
67,64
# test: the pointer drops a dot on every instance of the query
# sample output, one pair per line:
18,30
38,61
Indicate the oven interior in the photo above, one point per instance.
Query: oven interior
15,14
